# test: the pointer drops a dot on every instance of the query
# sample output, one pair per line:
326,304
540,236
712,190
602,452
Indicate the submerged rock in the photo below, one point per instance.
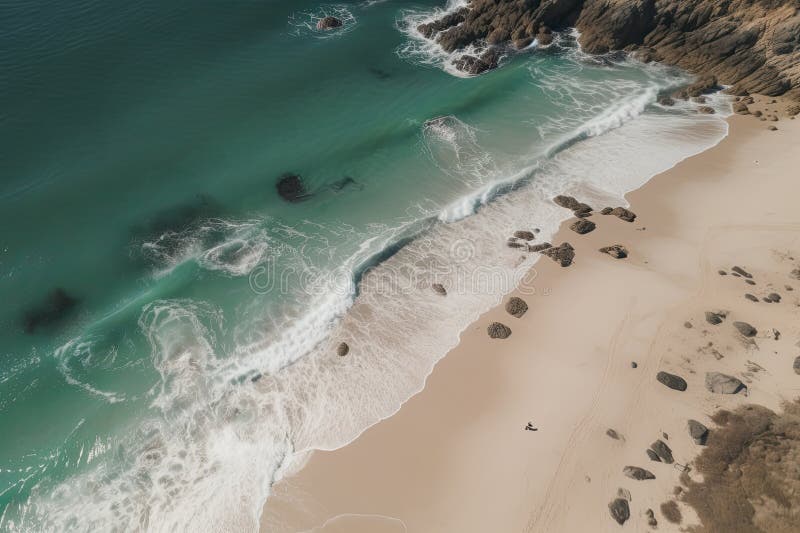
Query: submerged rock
343,349
663,451
697,431
291,188
540,247
516,307
639,474
582,226
672,381
653,455
328,23
617,251
563,254
751,297
524,235
439,289
720,383
497,330
58,305
620,511
745,329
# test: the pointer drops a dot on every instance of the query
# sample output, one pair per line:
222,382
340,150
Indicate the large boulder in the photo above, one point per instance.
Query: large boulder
720,383
697,431
582,226
663,451
672,381
516,306
639,474
562,254
497,330
620,511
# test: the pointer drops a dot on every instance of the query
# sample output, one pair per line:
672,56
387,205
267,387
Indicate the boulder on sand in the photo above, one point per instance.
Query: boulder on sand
714,318
620,212
663,451
516,307
343,349
328,23
620,511
497,330
524,235
639,474
582,226
672,381
617,251
720,383
438,288
745,329
563,254
697,431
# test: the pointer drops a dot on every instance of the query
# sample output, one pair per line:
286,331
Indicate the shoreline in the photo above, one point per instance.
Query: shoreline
314,495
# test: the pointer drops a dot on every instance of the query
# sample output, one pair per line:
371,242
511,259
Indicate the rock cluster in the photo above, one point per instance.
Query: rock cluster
438,288
580,209
343,349
563,254
620,212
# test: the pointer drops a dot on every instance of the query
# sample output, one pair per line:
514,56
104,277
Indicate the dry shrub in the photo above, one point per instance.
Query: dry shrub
671,512
751,473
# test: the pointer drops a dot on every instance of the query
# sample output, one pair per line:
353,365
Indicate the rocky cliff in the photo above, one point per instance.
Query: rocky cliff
753,45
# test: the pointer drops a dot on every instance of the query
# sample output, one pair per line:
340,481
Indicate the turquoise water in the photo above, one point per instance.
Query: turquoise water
191,358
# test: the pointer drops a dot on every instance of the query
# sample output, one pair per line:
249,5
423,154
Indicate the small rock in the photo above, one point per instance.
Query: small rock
651,518
672,381
739,270
639,474
705,110
796,365
714,318
720,383
497,330
617,251
582,226
563,254
663,451
621,213
688,325
569,202
620,511
516,307
741,108
613,434
653,455
774,297
524,235
514,243
697,431
343,349
438,288
606,211
745,329
328,23
751,297
722,273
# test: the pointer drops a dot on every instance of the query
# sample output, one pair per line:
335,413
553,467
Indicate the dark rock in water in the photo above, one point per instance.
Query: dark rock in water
620,511
672,381
666,101
343,349
706,110
345,182
651,518
53,310
497,330
524,235
663,451
439,289
568,202
697,431
639,474
514,243
617,251
478,65
653,455
328,23
291,188
714,318
720,383
742,272
613,434
582,226
745,329
620,212
563,254
796,365
449,20
751,297
774,297
540,247
516,307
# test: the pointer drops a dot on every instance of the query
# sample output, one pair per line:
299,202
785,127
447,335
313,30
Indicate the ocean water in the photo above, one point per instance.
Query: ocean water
169,326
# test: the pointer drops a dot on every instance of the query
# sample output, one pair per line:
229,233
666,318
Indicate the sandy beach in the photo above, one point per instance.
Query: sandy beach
583,360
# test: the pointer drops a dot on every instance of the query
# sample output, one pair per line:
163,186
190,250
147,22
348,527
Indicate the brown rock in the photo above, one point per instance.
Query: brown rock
438,288
620,511
621,213
739,270
540,247
714,318
672,381
524,235
497,330
663,451
343,349
562,254
697,431
582,226
745,329
328,23
617,251
516,307
706,110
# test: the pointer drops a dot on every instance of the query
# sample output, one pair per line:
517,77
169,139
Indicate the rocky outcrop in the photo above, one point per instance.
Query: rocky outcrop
563,254
697,431
328,23
620,511
796,365
672,381
639,474
497,330
516,307
720,383
752,45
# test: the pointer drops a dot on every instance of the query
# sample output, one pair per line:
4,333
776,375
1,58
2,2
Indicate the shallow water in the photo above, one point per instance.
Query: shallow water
194,355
